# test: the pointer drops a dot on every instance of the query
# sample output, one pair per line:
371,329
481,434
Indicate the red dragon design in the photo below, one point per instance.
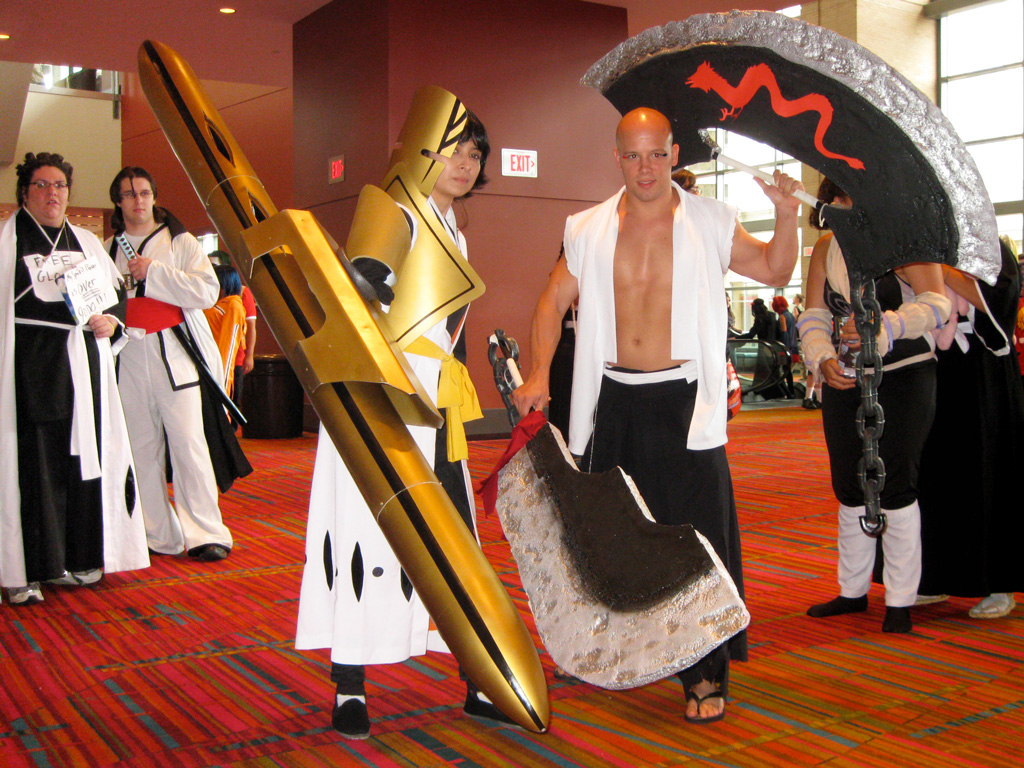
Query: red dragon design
761,76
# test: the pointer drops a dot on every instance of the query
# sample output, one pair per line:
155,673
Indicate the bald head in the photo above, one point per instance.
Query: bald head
643,120
646,155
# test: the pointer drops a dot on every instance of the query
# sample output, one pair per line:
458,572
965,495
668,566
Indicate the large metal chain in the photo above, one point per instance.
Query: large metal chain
870,417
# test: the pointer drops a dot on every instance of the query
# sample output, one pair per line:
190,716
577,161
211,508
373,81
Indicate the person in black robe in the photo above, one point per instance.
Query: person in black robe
971,527
61,514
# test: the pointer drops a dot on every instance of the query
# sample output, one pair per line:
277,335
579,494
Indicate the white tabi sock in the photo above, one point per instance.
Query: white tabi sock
901,547
856,553
342,698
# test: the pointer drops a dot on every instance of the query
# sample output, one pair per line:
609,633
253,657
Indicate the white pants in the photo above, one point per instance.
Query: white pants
151,406
901,548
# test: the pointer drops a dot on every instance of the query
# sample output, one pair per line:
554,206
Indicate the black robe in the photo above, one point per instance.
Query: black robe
971,526
61,514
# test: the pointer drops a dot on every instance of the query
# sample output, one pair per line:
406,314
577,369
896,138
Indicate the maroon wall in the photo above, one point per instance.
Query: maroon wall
517,65
260,119
340,71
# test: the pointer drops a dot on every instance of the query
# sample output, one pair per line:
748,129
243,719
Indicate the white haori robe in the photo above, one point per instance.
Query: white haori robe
381,625
124,535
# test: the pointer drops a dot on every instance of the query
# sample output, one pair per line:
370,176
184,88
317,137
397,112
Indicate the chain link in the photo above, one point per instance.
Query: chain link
870,417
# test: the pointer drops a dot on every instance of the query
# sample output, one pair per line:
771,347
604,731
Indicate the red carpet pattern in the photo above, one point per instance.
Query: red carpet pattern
191,665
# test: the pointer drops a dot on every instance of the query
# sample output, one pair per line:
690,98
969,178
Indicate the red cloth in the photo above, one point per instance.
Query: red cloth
734,390
1018,334
249,303
522,433
151,314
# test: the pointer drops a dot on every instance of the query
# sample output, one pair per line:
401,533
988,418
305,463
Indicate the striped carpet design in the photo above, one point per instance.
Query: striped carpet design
191,665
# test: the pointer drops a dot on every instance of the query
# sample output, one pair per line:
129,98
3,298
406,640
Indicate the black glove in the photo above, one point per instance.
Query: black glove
376,272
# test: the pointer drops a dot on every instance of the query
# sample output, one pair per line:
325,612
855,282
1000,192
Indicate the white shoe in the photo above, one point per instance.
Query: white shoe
26,595
78,578
995,606
930,599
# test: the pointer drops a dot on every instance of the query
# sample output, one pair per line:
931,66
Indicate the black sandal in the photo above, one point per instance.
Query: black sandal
692,696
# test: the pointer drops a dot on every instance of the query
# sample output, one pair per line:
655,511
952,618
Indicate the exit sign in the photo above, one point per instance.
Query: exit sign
519,162
336,169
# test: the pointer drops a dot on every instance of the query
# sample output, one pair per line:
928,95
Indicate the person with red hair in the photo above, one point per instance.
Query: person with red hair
787,329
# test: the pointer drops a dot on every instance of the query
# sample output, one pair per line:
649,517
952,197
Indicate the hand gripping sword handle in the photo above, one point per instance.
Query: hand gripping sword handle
506,370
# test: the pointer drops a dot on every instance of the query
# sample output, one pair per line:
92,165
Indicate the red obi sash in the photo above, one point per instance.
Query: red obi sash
152,315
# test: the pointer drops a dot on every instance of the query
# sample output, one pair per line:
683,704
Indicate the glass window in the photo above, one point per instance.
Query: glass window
208,242
741,190
747,150
76,78
982,38
757,214
1014,222
982,94
994,158
987,105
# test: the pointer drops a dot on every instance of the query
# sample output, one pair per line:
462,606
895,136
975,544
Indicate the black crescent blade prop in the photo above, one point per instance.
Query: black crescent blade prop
832,105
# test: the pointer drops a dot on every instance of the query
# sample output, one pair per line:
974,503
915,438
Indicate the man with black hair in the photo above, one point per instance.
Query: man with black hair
170,281
365,609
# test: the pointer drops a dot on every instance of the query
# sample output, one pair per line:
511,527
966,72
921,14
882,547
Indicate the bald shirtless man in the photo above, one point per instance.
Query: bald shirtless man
649,386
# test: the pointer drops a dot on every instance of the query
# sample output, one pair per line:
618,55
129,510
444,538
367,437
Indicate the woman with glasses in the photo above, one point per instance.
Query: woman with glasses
62,520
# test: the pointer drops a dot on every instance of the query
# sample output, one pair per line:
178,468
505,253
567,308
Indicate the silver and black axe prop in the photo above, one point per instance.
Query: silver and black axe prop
619,600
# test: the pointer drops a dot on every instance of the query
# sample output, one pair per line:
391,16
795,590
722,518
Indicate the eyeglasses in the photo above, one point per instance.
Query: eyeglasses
145,194
42,184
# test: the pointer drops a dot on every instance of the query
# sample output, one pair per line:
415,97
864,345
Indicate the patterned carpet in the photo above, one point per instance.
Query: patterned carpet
191,665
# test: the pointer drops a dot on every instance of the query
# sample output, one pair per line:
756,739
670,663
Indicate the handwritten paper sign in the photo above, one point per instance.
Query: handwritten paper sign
45,270
87,290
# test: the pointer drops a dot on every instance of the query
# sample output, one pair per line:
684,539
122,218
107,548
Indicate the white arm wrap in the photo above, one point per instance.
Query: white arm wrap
815,327
913,319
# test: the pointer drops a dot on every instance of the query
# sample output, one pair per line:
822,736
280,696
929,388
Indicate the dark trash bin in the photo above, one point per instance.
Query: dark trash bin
272,399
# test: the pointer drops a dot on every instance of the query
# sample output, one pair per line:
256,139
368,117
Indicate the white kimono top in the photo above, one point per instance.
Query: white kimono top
702,244
182,275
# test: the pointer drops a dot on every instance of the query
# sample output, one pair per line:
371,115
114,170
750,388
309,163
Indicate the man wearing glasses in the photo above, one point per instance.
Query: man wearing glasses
170,281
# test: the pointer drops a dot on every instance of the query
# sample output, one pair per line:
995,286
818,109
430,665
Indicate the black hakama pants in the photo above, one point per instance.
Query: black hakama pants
643,429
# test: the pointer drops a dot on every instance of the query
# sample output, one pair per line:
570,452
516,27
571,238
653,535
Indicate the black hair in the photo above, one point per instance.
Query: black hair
230,282
33,163
131,172
475,132
828,191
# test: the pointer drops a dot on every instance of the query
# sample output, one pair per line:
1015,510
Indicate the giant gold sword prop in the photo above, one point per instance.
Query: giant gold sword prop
345,353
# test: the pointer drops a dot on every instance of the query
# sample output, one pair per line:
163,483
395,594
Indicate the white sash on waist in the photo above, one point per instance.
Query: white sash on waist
687,370
83,419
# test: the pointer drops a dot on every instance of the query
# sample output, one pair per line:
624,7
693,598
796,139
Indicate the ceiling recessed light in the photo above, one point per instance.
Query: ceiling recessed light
4,36
227,10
